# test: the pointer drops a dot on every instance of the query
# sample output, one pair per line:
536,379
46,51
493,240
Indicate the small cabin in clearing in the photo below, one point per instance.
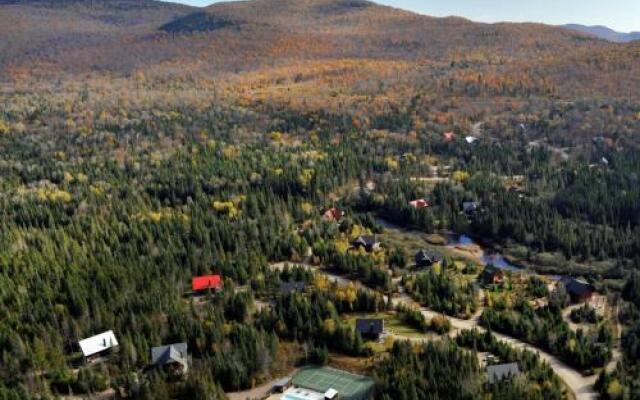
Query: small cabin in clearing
370,329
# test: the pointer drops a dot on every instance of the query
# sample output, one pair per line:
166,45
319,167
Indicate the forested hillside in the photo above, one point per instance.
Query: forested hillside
145,144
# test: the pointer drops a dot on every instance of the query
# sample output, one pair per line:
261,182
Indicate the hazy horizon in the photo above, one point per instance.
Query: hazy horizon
620,15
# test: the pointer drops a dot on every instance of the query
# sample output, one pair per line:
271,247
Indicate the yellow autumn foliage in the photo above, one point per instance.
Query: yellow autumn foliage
305,176
391,164
226,207
321,282
307,207
614,389
329,326
164,214
275,136
342,246
231,151
53,195
348,293
460,176
4,127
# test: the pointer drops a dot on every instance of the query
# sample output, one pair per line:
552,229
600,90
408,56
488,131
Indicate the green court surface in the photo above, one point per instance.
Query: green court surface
349,386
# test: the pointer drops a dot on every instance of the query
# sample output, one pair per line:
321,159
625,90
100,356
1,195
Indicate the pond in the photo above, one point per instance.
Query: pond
488,256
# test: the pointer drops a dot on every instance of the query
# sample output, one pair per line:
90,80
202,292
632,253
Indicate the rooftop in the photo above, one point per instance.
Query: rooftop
98,343
496,373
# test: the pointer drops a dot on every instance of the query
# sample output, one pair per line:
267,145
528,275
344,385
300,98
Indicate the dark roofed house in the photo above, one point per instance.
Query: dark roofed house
501,372
172,358
290,287
370,329
491,275
368,242
578,289
470,207
425,258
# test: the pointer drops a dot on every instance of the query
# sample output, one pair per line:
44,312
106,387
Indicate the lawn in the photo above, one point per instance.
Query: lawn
392,325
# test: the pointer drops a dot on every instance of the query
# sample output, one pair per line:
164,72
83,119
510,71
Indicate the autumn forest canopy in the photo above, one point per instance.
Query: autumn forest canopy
305,152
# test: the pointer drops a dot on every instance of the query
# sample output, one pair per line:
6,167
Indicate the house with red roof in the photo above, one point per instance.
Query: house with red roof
206,282
419,203
333,214
449,136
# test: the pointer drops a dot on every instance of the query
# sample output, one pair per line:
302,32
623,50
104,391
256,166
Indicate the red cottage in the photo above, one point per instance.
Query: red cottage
200,283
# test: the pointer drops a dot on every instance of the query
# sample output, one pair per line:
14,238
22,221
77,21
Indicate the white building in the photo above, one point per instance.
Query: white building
297,393
98,343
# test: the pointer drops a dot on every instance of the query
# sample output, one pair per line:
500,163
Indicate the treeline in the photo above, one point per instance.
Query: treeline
446,370
315,318
545,327
541,381
441,292
624,381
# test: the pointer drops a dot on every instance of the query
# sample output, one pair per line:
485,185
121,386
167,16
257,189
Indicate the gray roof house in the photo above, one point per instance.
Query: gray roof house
173,357
425,258
291,287
370,328
469,207
500,372
369,242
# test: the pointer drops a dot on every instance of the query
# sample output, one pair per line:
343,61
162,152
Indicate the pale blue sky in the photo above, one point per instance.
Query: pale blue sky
621,15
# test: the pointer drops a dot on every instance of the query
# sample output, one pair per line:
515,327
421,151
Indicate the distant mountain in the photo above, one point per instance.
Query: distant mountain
52,38
605,33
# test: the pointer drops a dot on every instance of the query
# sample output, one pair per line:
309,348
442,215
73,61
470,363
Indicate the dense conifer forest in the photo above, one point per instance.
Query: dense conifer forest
164,146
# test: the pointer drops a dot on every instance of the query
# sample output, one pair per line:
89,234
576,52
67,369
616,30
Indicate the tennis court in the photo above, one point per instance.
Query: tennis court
349,386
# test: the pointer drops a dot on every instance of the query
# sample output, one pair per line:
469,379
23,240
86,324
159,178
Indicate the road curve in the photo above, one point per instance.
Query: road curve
581,386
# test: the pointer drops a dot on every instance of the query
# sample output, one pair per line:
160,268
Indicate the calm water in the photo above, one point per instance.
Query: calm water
488,257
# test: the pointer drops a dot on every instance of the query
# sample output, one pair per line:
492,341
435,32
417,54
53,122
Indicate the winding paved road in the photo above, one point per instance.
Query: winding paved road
581,386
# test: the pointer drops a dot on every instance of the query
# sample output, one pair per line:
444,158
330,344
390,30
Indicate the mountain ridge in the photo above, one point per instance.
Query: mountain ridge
604,32
50,39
